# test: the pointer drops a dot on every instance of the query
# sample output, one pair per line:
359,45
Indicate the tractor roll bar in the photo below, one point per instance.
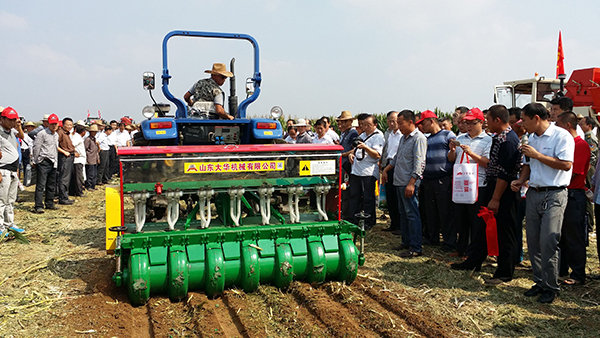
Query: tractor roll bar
181,106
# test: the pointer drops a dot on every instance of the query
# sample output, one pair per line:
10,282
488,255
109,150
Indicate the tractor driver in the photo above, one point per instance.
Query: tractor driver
209,90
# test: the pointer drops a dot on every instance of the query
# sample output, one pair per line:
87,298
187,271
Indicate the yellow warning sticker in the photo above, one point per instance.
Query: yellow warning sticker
232,167
313,168
304,168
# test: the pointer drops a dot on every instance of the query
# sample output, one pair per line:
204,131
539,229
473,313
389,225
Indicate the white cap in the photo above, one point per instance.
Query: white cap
301,123
46,116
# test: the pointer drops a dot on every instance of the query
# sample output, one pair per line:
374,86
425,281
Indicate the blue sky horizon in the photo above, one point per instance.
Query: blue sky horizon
317,57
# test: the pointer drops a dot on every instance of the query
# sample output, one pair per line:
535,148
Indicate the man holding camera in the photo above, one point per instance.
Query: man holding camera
365,170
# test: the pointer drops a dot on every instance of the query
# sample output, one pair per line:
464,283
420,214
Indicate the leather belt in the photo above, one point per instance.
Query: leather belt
545,189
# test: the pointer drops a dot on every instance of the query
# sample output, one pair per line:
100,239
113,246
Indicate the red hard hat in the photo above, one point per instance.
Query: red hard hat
10,113
53,118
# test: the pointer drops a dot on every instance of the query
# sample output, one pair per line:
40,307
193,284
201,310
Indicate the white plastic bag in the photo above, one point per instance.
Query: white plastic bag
465,181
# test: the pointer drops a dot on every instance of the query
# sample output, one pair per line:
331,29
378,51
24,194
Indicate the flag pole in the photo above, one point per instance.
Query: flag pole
560,65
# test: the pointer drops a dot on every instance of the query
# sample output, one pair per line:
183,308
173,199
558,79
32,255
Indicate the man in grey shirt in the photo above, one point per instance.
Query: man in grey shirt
408,166
45,155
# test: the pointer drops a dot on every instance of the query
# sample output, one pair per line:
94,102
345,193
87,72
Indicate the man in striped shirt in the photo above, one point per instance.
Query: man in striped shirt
437,184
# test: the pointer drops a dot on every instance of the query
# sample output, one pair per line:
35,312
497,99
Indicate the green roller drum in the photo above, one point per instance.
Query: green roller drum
213,259
138,283
178,271
274,224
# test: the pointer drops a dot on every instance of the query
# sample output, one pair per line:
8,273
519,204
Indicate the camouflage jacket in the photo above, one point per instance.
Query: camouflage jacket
207,90
591,139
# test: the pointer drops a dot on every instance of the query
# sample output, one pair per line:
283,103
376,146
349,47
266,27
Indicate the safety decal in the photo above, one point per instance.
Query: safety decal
232,167
312,168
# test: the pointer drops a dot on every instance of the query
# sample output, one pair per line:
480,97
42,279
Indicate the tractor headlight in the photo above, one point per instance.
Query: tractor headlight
148,111
276,112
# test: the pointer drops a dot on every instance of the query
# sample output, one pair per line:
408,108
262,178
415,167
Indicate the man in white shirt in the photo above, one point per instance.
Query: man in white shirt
26,149
10,131
392,137
365,170
103,140
548,164
122,137
475,146
334,136
79,160
322,137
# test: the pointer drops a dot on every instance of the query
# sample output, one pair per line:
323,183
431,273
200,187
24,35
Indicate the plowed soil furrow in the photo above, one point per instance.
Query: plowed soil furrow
297,319
105,316
250,311
420,320
212,317
331,313
369,312
168,319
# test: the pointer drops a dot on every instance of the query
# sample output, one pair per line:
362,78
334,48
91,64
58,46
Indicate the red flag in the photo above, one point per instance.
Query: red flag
560,66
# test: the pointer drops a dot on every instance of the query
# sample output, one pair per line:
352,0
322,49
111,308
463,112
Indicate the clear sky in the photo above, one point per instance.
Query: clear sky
317,57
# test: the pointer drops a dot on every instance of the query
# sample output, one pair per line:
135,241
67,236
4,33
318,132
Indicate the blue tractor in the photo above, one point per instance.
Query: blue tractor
193,125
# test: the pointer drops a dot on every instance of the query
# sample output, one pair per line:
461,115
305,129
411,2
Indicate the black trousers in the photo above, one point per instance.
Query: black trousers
521,207
362,198
437,202
506,223
114,161
65,170
392,203
597,217
91,173
573,236
104,167
77,180
45,184
471,230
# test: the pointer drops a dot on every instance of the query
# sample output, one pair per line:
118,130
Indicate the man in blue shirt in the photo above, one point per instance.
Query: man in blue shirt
437,184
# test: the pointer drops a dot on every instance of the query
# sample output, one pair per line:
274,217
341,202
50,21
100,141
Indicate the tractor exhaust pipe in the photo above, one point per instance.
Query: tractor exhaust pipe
233,100
562,78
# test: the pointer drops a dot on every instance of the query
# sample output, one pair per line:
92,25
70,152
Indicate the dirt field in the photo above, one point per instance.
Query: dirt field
59,285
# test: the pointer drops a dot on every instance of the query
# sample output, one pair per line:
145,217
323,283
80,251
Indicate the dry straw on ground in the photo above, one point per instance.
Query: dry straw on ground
59,284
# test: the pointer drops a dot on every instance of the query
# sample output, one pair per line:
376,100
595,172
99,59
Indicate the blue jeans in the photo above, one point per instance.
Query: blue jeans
410,220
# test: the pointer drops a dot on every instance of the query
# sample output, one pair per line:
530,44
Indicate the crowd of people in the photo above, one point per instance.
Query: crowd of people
535,166
61,157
